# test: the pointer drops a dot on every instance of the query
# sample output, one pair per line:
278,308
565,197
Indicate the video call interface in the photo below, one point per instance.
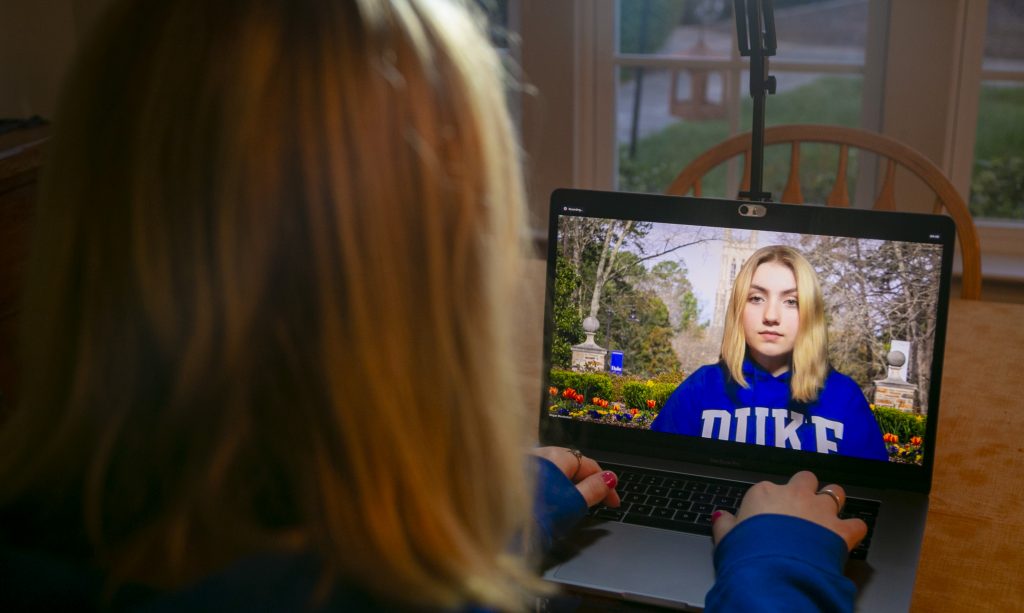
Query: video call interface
639,313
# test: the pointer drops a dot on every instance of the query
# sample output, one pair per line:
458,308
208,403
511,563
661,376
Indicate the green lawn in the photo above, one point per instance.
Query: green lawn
1000,129
829,100
998,184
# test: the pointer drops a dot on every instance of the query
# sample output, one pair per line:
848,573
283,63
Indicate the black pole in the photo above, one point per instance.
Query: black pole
755,30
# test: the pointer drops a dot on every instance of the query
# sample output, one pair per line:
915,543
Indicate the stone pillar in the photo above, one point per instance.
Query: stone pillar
904,348
894,391
588,355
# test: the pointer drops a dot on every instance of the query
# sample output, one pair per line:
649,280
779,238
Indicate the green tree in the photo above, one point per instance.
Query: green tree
637,320
649,349
997,188
670,281
568,323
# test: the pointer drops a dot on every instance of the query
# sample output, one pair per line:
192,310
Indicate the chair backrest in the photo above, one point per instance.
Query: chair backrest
893,152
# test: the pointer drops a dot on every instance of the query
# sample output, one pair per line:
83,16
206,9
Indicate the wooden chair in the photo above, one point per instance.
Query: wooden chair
893,152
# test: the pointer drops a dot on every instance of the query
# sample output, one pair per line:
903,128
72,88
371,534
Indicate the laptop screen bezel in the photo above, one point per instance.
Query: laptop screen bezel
721,213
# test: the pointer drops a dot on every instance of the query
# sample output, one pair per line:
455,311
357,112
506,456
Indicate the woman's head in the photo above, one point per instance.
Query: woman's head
268,302
776,315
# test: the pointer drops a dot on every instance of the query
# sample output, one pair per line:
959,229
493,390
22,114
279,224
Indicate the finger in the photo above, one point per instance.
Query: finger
561,457
588,467
612,499
838,491
852,531
721,523
599,487
805,480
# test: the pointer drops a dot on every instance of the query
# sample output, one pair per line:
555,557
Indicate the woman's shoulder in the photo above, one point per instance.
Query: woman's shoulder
707,372
837,383
704,376
836,378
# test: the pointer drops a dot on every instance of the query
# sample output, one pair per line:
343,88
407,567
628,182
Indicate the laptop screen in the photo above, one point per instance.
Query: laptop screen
811,332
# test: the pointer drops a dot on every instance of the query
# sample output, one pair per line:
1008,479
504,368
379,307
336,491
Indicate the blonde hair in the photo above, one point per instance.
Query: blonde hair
810,363
269,301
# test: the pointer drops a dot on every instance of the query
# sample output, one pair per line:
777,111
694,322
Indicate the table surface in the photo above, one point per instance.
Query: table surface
973,552
972,557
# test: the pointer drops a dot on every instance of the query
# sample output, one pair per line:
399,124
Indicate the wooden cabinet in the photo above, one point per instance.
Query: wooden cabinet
20,159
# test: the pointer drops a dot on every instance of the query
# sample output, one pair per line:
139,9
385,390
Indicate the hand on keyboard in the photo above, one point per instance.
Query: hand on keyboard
594,483
799,498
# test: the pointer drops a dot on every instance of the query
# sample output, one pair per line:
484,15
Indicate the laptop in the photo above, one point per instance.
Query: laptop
638,292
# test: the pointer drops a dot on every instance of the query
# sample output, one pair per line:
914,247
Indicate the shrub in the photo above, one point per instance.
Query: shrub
997,188
903,425
637,393
590,384
630,393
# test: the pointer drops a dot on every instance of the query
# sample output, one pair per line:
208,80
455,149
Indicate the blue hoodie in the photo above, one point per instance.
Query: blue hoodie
766,563
710,404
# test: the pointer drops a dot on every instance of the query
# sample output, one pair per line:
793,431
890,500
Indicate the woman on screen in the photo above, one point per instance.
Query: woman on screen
773,385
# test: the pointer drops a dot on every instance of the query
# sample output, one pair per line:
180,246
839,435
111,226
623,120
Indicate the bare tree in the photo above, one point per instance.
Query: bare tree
876,292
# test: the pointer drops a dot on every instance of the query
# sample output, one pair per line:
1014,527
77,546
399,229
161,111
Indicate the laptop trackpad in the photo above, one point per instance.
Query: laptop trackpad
638,563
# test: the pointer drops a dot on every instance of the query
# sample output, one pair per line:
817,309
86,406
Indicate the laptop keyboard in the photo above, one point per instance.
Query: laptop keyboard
684,503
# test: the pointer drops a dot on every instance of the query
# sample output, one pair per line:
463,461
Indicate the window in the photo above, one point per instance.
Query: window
681,86
920,73
997,178
996,170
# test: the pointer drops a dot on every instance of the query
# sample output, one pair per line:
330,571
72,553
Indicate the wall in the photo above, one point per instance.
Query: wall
37,41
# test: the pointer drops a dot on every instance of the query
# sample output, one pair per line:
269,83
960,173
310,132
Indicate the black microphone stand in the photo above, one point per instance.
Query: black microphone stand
755,30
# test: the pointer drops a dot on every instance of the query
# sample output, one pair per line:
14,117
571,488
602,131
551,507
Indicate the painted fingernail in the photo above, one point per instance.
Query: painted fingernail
609,479
715,515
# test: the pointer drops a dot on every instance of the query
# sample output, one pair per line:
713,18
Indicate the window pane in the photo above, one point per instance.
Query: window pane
672,129
665,117
821,31
496,12
652,26
997,182
814,30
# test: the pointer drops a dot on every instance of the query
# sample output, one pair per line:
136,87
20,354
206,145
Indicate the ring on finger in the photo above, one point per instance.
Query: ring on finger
833,495
579,461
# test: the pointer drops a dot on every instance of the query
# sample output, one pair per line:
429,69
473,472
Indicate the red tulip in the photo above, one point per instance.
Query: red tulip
553,391
915,440
651,404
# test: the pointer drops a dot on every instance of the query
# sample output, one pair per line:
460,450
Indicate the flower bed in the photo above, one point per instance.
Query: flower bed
568,402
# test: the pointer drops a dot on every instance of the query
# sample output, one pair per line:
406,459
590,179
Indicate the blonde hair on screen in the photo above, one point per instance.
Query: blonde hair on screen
270,295
809,364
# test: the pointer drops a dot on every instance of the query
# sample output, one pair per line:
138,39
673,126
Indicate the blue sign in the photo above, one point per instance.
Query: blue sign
616,363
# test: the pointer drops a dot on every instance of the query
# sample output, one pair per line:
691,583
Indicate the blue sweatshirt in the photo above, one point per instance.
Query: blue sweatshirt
780,563
768,562
710,404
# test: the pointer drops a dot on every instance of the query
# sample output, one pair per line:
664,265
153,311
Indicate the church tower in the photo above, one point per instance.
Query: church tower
735,251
